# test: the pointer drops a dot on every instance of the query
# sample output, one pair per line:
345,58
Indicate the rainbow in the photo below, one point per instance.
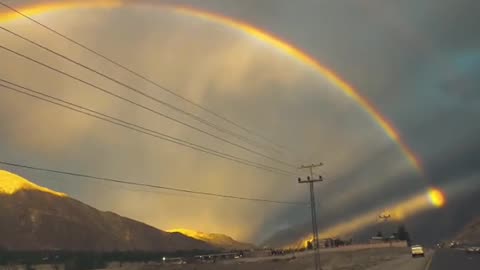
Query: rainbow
250,30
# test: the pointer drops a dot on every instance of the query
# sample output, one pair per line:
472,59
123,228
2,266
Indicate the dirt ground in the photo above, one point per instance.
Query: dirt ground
331,260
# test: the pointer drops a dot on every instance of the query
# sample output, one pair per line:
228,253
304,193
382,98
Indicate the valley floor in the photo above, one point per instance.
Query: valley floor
367,259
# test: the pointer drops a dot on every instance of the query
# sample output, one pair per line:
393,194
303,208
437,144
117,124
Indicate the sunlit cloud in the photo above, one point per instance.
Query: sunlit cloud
269,88
222,70
399,211
41,8
433,198
436,197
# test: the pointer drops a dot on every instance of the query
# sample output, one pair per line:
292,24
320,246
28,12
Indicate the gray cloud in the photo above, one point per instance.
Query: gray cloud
388,51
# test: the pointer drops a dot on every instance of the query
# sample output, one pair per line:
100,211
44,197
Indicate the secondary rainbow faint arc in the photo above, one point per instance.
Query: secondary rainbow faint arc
251,30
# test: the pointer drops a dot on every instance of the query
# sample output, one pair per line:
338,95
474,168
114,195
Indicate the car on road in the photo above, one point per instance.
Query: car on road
454,244
473,250
417,250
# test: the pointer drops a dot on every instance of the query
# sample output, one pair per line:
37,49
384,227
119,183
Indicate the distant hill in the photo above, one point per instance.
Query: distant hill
215,239
470,234
36,218
290,237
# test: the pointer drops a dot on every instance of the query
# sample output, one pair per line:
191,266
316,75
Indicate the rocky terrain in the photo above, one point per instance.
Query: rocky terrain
215,239
470,233
36,218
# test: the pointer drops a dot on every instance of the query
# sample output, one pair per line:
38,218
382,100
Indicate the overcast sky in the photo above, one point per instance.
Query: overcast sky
418,63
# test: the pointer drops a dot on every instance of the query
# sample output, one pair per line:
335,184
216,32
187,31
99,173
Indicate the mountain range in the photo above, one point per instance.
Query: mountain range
36,218
215,239
470,233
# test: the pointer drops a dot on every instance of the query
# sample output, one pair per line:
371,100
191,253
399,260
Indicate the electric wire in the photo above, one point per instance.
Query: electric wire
143,77
143,106
140,129
136,90
121,181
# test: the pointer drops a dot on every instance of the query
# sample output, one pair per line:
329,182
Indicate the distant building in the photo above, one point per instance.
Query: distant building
219,256
334,242
377,239
177,260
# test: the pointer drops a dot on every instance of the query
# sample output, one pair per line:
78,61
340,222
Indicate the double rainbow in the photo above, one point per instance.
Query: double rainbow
250,30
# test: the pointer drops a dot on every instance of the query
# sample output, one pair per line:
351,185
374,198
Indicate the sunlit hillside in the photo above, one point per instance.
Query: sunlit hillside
215,239
11,184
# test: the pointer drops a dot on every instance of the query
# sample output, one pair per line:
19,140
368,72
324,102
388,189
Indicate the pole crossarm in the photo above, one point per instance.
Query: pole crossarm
309,180
311,166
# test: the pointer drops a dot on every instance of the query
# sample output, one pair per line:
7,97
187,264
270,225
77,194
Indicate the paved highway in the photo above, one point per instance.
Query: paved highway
404,262
452,259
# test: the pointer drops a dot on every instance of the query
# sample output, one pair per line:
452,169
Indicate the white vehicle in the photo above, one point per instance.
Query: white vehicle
473,250
417,250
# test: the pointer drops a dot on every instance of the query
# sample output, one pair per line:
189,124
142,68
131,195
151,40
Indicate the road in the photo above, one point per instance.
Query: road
369,259
404,262
448,259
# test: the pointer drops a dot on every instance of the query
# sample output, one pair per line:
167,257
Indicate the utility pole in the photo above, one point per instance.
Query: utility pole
385,217
310,180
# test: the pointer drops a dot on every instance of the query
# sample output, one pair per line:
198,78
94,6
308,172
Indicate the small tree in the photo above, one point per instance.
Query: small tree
309,245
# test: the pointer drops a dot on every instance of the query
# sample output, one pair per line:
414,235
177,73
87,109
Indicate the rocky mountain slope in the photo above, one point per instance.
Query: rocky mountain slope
36,218
470,233
215,239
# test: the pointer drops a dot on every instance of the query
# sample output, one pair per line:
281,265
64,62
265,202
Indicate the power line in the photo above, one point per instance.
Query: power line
136,90
142,106
125,68
143,130
119,181
140,129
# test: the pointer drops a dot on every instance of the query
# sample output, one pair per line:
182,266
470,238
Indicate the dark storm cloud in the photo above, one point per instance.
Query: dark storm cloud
353,192
461,162
383,49
451,170
389,51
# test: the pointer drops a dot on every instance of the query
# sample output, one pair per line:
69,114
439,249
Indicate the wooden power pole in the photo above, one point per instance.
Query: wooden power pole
311,180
